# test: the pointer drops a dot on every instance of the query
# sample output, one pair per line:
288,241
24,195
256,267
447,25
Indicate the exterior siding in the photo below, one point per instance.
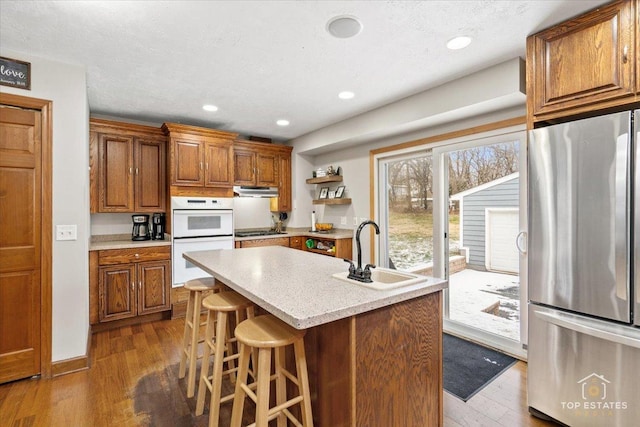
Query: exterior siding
503,195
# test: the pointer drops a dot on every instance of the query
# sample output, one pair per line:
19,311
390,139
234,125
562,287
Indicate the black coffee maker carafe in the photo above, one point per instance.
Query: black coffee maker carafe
158,222
141,229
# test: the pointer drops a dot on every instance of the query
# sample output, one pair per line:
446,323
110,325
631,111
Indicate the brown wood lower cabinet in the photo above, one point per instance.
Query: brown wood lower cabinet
127,283
341,248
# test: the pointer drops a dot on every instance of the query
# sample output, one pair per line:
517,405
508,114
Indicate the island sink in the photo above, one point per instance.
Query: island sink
385,279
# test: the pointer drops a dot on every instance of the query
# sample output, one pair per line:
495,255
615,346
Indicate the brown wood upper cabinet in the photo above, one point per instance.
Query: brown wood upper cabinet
199,158
128,167
264,165
255,164
283,202
587,63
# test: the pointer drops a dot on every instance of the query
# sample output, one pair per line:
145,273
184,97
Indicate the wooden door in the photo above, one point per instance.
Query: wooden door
244,167
117,292
219,168
267,169
154,286
150,176
20,243
116,173
186,163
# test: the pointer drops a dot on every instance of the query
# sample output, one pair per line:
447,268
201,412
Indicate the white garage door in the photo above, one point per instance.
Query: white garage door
501,253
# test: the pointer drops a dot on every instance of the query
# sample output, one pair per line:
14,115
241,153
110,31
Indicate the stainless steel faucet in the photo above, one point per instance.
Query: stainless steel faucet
358,273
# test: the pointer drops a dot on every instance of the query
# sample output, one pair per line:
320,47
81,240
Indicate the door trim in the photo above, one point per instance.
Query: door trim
45,108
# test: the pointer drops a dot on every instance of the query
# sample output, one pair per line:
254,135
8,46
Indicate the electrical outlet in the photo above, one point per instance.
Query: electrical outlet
355,220
343,220
66,232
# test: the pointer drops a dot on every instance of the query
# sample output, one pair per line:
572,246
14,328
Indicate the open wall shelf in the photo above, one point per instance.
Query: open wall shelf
331,201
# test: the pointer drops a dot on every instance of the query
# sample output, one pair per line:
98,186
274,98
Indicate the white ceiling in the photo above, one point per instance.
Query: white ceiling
260,61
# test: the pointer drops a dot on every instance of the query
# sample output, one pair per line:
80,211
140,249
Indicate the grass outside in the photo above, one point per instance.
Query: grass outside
419,224
411,237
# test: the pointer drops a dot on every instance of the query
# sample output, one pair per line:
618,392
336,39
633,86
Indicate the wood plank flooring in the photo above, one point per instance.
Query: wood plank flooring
133,381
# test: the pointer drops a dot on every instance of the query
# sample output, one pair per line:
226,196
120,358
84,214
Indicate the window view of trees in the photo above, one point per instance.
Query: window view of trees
410,193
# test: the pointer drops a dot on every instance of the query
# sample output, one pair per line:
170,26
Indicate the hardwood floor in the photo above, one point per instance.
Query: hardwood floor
133,381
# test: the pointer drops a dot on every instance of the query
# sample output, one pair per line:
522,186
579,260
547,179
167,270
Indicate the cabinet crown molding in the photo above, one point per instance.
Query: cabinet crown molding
196,130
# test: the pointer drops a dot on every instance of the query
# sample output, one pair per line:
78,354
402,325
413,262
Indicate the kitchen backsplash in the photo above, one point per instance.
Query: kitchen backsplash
110,223
251,212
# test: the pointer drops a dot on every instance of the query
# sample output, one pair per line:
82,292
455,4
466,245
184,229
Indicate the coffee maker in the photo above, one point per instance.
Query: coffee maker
141,229
158,223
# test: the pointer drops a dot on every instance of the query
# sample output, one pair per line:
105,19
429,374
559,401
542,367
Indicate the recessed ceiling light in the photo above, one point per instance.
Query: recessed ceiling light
346,95
282,122
209,107
344,26
459,42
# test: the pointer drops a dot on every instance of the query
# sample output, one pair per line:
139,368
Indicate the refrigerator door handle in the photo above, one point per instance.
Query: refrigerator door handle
583,328
621,221
520,238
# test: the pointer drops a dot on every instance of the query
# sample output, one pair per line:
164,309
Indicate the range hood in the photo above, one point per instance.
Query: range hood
249,191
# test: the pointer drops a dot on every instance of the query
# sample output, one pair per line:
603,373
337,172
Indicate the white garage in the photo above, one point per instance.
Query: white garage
501,253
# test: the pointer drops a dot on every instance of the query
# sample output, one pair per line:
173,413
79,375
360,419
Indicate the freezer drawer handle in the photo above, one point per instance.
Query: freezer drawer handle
588,330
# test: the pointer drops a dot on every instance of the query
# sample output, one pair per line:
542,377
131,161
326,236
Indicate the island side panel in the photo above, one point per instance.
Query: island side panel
329,350
398,364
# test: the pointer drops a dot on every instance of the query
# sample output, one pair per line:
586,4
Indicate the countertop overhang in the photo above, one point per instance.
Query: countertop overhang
298,286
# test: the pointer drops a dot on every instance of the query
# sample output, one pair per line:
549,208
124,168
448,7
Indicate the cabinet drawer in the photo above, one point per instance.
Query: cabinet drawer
276,241
296,242
129,255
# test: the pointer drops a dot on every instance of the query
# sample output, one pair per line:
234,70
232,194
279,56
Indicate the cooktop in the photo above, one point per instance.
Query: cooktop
252,233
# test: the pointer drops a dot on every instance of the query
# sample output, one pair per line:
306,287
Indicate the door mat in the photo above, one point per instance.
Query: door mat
469,367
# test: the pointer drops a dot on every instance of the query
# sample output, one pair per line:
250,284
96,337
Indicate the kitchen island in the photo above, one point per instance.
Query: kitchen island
374,357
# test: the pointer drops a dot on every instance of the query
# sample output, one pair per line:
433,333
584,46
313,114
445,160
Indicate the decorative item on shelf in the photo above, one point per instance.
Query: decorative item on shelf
318,173
339,192
310,243
324,192
332,194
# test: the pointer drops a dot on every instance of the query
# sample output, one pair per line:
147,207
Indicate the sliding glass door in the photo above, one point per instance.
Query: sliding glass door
458,210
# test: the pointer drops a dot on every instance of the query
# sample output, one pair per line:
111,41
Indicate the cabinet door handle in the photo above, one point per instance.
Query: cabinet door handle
200,165
130,171
133,286
136,171
206,166
625,54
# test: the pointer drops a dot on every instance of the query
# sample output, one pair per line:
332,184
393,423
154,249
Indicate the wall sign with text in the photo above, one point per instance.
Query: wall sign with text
15,73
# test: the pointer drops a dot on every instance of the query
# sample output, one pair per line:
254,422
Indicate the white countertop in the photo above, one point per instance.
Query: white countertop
297,286
123,241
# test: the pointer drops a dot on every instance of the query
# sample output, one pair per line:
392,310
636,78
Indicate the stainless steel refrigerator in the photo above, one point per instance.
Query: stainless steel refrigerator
584,283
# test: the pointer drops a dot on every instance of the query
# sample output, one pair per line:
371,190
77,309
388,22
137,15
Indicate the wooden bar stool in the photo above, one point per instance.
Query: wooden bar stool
220,341
266,333
192,324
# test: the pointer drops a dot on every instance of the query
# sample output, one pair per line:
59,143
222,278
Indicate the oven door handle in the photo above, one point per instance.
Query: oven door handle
203,239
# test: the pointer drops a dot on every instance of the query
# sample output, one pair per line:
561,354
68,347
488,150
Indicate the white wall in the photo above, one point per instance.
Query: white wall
489,95
65,85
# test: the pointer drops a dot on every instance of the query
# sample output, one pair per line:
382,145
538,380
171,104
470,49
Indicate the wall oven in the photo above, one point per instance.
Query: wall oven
198,223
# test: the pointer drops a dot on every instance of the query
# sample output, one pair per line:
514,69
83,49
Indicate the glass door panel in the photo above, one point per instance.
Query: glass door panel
482,210
409,214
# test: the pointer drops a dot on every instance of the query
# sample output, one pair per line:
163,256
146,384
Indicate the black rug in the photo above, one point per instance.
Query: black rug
469,367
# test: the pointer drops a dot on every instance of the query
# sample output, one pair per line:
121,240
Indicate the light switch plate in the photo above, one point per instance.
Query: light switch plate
67,232
343,220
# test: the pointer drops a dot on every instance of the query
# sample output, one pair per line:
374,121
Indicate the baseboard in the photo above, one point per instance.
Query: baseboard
68,366
75,364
